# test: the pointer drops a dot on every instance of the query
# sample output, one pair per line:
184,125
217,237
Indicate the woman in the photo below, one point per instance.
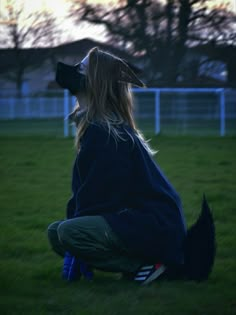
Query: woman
124,215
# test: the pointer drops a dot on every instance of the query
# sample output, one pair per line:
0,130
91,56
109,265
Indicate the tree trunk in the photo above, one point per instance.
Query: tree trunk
176,50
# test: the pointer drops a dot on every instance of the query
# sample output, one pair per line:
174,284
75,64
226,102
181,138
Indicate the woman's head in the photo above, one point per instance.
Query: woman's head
106,95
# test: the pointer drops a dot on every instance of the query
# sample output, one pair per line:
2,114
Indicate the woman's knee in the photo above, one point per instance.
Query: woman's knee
52,230
64,232
71,236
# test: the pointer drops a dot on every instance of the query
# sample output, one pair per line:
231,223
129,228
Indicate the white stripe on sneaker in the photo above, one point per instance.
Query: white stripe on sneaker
139,278
143,273
146,267
155,275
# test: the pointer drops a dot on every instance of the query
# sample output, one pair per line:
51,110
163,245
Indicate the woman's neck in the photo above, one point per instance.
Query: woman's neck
82,100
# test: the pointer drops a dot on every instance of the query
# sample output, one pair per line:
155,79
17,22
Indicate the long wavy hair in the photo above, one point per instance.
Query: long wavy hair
109,98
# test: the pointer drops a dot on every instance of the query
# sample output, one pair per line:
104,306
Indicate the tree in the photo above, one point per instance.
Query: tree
22,31
160,33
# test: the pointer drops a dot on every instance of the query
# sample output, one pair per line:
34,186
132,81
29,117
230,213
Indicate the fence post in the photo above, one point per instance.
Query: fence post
157,112
66,113
222,112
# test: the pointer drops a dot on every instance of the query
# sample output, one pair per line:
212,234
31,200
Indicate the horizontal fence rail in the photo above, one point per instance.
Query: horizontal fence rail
31,107
166,110
184,108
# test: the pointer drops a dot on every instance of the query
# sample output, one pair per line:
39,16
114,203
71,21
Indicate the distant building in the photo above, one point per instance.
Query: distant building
40,64
201,66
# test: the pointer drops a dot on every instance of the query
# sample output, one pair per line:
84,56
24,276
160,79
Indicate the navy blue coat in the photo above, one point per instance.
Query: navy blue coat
121,181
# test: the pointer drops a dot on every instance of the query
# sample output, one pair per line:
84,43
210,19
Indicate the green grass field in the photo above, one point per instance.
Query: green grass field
35,185
170,127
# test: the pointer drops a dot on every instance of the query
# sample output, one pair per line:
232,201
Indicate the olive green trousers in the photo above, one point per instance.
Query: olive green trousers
91,239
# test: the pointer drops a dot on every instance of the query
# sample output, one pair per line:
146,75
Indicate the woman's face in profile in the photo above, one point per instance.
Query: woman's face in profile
81,94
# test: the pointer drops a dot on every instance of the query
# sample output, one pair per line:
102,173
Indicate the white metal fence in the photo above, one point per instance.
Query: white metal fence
186,110
31,107
167,111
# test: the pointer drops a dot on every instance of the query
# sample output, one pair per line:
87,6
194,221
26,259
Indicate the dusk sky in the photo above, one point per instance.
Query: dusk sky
84,30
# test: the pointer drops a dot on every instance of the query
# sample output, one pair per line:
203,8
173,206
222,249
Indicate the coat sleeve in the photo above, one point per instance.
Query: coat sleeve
105,172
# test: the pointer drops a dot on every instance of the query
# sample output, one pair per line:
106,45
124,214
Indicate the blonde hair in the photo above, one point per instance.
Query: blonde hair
109,100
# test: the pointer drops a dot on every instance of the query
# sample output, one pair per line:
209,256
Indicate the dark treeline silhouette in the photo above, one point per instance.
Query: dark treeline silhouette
160,35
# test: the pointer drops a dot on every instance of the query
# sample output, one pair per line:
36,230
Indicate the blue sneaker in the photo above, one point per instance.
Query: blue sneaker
70,270
74,271
66,265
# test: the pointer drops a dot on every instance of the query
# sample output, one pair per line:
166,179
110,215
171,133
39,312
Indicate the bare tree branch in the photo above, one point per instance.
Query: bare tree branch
37,27
161,33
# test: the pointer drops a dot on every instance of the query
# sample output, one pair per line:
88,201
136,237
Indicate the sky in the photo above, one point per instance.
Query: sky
85,30
60,9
